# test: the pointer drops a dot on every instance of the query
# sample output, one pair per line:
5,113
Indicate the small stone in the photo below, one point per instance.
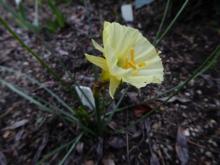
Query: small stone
6,134
156,125
170,147
186,132
212,143
193,134
205,99
199,92
202,150
196,130
208,154
206,126
199,127
184,115
60,125
212,123
161,146
124,157
187,94
150,134
183,106
25,63
147,140
190,128
79,147
192,82
214,162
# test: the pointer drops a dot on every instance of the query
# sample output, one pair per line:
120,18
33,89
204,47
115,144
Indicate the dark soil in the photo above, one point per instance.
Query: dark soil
188,123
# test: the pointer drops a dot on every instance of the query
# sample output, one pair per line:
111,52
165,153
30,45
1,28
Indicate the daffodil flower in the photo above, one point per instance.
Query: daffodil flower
127,57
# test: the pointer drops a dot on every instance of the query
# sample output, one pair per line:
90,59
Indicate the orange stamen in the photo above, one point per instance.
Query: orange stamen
141,64
131,63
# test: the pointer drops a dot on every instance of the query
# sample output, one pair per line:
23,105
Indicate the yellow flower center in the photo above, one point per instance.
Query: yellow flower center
130,63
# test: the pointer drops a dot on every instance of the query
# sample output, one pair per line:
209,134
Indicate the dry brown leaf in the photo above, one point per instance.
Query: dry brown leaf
108,161
89,162
140,110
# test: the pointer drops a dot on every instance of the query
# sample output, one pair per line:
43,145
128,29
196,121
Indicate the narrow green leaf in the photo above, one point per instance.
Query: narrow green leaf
71,149
162,21
56,150
207,64
172,22
49,108
42,104
57,13
34,81
51,71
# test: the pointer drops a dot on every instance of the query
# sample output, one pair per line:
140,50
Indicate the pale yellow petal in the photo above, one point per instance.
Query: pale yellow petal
150,72
137,81
120,38
97,46
152,75
145,53
114,83
105,33
154,63
144,77
141,81
99,61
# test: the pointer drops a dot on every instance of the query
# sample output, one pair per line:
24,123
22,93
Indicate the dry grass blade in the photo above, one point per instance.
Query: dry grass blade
182,146
3,160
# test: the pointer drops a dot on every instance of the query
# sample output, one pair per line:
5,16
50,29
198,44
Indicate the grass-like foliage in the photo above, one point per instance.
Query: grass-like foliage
19,14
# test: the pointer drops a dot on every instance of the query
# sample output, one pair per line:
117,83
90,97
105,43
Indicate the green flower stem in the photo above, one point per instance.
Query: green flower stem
162,21
171,23
77,139
98,116
56,150
111,114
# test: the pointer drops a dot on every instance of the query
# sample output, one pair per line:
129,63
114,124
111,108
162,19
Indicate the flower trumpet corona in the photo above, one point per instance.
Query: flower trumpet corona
127,57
